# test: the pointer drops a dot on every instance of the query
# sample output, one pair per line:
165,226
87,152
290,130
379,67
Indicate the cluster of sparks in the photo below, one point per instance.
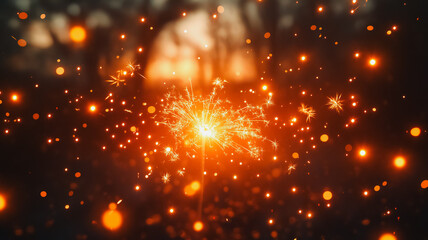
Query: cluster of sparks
191,118
194,122
123,74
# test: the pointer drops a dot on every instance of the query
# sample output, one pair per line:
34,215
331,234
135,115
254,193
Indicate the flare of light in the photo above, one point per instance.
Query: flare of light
362,152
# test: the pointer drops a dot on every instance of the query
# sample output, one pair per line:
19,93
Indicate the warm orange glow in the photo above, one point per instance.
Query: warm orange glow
303,58
77,34
324,138
295,155
220,9
195,185
92,108
370,28
387,236
60,70
43,194
22,43
424,184
23,15
399,162
198,226
2,202
320,9
14,97
372,62
112,206
415,132
362,152
327,195
267,35
112,219
151,109
264,87
192,188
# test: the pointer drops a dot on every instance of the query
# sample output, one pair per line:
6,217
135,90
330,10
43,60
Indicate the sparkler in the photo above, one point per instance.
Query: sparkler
196,121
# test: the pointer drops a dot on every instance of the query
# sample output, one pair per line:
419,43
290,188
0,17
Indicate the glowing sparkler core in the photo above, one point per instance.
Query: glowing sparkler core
206,131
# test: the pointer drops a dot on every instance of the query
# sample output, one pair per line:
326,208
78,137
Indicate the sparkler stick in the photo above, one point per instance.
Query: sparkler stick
201,197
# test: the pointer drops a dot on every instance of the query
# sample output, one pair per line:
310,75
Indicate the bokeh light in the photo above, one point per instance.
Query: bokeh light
399,162
112,219
77,34
327,195
60,70
424,184
387,236
362,152
415,132
198,226
2,202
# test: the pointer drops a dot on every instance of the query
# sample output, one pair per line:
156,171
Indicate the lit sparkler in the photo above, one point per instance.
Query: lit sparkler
214,119
196,121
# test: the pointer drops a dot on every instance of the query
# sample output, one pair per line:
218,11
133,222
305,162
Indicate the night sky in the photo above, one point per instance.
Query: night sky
238,119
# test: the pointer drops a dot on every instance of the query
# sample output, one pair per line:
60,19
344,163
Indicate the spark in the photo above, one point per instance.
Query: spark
181,172
166,177
116,80
335,103
172,154
309,111
291,167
